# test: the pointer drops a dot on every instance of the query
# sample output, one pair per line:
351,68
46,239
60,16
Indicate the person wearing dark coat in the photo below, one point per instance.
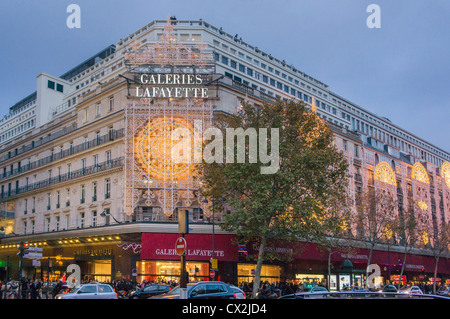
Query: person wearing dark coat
57,288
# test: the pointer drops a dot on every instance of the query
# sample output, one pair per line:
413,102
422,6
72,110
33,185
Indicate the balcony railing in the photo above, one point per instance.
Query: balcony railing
118,162
44,140
70,151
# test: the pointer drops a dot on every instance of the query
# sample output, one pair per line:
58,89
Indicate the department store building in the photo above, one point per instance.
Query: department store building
85,172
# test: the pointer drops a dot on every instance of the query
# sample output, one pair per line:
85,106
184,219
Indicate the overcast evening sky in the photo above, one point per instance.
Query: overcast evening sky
400,71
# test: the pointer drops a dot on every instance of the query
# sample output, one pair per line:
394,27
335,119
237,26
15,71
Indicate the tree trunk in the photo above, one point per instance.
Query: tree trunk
435,274
259,263
368,263
329,269
403,268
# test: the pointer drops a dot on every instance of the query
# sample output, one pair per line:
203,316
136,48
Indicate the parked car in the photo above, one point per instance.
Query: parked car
355,289
238,292
149,291
443,291
90,291
315,289
389,288
201,290
411,290
313,292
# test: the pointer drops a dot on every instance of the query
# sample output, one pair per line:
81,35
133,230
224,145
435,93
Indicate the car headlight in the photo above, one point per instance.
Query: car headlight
59,297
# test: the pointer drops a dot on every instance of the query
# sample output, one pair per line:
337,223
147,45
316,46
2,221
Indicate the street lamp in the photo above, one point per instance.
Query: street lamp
212,202
104,214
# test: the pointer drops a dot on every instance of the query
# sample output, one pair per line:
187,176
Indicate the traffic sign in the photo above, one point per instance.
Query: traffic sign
33,255
36,263
34,249
212,274
180,246
214,264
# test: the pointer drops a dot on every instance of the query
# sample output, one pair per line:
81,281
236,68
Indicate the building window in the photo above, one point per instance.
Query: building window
108,156
81,224
98,109
59,88
107,188
57,199
94,191
111,103
49,199
51,85
68,198
57,223
66,222
47,224
94,218
83,193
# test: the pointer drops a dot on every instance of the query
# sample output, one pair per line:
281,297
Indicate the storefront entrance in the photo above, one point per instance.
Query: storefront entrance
95,270
162,270
270,273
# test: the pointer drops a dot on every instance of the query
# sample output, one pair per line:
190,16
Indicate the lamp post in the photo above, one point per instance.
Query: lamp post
213,226
105,214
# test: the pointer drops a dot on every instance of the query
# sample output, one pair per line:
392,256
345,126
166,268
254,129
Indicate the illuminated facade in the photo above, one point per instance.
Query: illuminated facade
93,170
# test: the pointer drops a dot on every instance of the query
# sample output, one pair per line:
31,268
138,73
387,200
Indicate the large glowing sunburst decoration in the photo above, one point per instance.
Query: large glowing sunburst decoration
164,148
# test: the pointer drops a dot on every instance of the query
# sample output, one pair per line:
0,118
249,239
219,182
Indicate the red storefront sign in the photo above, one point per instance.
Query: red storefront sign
396,279
160,246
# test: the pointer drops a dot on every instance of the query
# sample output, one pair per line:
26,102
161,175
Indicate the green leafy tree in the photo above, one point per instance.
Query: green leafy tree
289,204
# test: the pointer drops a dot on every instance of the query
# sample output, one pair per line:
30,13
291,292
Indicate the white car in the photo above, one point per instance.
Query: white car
90,291
411,290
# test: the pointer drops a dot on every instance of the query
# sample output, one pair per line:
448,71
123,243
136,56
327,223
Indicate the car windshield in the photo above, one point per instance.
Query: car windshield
176,290
73,290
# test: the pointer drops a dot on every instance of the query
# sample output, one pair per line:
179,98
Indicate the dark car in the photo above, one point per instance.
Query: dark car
150,291
201,290
355,289
389,288
311,292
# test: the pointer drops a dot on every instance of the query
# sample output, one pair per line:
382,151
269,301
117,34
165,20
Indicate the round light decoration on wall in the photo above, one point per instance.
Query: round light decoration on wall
385,174
422,205
164,148
445,173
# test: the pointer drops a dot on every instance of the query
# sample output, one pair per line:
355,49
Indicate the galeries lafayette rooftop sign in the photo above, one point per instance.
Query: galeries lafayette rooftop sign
170,85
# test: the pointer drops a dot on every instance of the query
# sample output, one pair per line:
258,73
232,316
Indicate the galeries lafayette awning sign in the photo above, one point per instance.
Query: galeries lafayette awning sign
198,247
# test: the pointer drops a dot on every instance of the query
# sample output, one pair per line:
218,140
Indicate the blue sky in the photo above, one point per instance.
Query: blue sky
400,71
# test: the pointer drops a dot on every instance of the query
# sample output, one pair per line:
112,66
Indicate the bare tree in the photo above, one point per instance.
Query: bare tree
405,229
375,215
434,236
